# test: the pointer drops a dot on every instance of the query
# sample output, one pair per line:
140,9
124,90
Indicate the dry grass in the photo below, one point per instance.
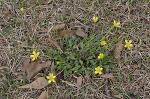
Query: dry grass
22,31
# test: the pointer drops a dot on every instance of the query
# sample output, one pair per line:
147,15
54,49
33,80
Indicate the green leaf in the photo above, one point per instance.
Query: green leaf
72,57
81,45
76,68
81,62
87,72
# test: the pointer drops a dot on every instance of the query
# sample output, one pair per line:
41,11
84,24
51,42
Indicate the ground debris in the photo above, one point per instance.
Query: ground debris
39,83
32,68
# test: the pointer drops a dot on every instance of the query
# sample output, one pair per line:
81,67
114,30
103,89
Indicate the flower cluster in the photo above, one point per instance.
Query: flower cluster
128,45
98,70
51,77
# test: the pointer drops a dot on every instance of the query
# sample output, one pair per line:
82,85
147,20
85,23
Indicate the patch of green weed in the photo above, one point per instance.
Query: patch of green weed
80,55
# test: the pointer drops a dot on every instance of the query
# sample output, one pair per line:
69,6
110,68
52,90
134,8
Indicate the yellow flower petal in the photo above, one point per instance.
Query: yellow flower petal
57,62
33,52
53,80
22,9
49,81
103,43
38,53
35,55
130,41
116,24
129,48
33,59
31,55
101,56
95,19
47,77
98,70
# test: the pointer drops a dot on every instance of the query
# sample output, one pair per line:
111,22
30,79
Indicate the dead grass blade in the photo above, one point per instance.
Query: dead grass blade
25,64
71,33
79,81
55,44
107,75
117,51
68,32
68,83
80,33
106,87
119,96
39,83
43,95
34,67
135,66
58,27
53,68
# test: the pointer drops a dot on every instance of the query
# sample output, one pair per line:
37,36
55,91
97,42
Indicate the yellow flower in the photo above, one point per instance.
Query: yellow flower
21,9
98,70
128,44
95,19
103,43
101,56
51,78
116,24
35,55
57,62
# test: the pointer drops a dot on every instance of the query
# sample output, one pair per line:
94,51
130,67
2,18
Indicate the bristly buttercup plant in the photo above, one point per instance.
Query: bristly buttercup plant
82,56
34,55
51,78
128,44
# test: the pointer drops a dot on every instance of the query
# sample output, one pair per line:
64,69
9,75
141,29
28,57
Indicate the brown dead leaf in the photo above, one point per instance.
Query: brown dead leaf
107,75
25,64
38,75
39,83
55,43
41,15
119,96
43,95
80,33
34,67
53,68
60,76
68,32
134,66
117,51
79,81
58,27
50,1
